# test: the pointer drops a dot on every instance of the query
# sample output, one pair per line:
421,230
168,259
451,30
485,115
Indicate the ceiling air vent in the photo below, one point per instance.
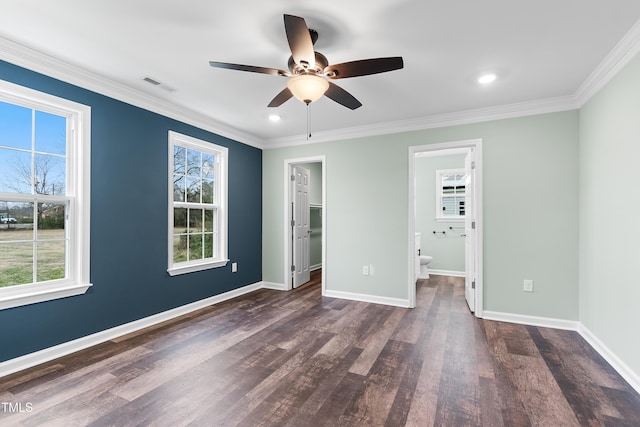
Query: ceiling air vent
159,84
152,81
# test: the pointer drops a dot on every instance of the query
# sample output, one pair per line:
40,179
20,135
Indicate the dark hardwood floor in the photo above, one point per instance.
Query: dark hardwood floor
296,359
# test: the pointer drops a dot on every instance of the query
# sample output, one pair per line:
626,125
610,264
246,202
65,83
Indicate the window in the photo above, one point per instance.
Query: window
450,194
197,205
44,196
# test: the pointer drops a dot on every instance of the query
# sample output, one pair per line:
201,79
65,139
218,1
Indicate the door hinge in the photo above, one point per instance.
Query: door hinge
473,165
473,225
293,177
293,223
473,284
293,268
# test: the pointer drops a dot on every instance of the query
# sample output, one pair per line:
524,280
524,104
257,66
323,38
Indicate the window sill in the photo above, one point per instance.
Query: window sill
16,296
190,268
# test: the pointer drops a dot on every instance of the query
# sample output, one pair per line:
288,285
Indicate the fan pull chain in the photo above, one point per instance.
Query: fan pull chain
308,121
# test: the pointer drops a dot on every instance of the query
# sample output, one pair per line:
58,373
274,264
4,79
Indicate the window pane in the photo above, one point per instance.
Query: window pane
179,220
179,159
193,163
51,260
179,183
208,220
207,191
51,133
50,174
15,171
453,206
16,264
195,221
448,206
195,247
15,126
208,245
179,248
208,165
179,234
193,190
16,221
51,221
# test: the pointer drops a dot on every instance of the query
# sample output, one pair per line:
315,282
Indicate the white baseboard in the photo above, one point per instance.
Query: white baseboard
622,368
395,302
447,273
315,267
51,353
545,322
274,286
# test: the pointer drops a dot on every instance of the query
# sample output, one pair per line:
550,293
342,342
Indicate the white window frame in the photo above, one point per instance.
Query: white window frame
78,197
220,189
440,194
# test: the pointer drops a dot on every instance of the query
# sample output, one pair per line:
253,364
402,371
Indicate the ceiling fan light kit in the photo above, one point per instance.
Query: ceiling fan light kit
307,87
309,71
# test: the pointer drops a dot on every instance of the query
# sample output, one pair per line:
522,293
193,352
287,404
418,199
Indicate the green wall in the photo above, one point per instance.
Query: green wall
447,249
530,211
609,205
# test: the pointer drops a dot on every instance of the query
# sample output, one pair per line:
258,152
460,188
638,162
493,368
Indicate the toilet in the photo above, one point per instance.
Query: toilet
424,271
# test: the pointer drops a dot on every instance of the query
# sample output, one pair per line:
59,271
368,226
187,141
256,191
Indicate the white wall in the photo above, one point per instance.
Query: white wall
609,213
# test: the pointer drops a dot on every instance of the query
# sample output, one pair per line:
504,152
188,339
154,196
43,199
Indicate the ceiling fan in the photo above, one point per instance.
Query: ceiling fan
309,71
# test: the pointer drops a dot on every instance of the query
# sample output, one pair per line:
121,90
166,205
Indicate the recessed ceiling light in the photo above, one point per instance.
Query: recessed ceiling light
486,79
274,118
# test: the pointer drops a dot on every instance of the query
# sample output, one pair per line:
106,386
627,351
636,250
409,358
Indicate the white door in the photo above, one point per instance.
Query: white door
300,224
470,231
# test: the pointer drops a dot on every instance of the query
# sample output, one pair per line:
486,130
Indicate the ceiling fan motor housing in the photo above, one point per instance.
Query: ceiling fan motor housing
304,68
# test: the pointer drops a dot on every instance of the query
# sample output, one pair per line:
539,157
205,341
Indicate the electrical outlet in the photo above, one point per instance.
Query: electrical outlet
234,267
372,270
365,270
528,286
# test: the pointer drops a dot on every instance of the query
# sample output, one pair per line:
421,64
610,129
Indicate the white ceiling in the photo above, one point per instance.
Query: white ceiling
540,50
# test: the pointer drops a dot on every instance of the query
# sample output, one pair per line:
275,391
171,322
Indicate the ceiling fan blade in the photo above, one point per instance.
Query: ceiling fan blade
281,98
300,41
364,67
342,97
251,68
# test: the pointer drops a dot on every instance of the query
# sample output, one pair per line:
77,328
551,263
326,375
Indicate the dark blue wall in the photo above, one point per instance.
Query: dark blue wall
129,164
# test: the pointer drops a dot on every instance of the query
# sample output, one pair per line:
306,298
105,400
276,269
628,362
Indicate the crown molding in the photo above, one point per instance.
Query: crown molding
39,62
625,50
620,55
521,109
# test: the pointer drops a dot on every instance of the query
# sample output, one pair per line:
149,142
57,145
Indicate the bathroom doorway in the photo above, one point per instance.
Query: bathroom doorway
445,206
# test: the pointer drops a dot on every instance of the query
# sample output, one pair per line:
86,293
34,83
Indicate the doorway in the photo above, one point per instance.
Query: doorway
471,224
305,225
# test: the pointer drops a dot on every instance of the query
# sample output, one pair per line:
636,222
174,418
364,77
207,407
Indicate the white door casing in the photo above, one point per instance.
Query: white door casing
300,224
470,231
437,148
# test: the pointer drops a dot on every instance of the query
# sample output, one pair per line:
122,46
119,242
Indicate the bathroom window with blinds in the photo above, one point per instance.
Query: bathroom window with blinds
450,194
